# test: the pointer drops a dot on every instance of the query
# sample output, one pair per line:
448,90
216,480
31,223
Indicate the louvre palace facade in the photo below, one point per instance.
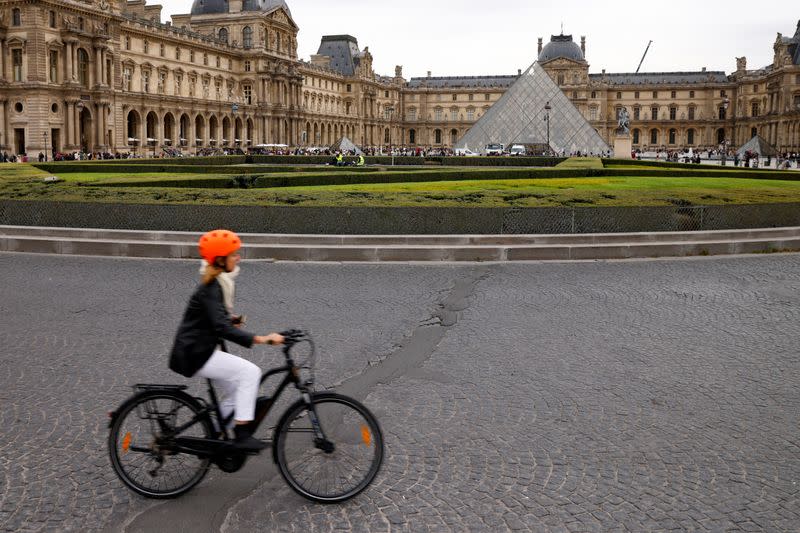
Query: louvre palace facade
109,76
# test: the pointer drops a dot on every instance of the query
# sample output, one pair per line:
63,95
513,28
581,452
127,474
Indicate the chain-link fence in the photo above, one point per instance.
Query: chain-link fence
398,221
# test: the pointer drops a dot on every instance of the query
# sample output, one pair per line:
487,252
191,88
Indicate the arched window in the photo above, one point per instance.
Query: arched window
653,136
223,35
16,17
673,136
83,68
690,137
636,136
247,37
437,137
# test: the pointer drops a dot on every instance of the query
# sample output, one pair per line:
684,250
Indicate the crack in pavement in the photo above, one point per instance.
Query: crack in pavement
417,348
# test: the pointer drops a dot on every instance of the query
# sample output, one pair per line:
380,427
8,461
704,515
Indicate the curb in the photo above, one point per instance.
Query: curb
404,248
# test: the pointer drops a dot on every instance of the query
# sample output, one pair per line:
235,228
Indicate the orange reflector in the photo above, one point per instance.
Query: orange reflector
366,436
126,442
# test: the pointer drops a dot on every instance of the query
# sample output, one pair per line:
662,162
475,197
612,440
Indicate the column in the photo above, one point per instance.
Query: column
67,132
3,59
76,127
98,65
3,130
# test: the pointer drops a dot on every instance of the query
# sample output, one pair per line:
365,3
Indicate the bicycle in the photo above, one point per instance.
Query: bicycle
328,447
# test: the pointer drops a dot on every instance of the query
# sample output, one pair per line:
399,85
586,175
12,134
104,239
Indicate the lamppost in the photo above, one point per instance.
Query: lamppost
390,111
81,134
725,104
44,136
547,109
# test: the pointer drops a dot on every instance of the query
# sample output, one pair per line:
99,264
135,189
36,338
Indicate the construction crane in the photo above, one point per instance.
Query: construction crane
644,56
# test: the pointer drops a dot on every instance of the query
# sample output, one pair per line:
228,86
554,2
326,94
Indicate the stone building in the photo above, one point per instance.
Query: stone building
108,75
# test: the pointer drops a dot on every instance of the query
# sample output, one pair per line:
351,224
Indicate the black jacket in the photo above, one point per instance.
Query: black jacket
204,326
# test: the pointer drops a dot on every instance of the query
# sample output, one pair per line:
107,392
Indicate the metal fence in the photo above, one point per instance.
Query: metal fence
398,221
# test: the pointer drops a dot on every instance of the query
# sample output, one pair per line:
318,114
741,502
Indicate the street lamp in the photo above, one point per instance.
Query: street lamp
725,104
390,111
44,136
547,109
81,133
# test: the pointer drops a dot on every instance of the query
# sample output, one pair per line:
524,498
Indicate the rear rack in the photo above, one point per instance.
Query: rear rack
147,387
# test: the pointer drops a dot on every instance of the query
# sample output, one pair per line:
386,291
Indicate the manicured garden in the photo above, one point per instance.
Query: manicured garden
438,182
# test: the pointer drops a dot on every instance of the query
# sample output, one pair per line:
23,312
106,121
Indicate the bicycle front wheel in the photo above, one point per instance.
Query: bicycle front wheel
338,467
139,446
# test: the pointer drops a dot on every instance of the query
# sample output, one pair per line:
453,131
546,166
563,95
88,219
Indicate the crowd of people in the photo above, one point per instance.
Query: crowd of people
749,159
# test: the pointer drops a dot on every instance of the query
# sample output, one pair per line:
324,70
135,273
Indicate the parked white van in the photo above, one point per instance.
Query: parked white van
518,149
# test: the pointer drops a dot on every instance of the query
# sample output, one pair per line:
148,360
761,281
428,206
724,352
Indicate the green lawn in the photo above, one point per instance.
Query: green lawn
19,181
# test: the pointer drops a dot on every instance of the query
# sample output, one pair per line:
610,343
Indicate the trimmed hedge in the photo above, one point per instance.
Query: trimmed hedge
668,164
57,168
354,177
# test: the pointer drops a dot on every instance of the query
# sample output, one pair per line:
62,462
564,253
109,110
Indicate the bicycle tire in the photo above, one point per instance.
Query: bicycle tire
356,435
124,446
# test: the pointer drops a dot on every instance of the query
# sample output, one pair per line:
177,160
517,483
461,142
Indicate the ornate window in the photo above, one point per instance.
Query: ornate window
247,66
593,113
654,113
454,115
653,136
412,114
692,112
127,43
83,68
53,66
470,114
673,113
127,74
248,94
691,94
178,53
594,94
437,114
636,95
488,97
636,136
191,56
755,109
412,136
16,17
247,37
619,96
223,35
672,136
146,47
437,137
52,19
561,79
690,137
471,97
16,61
162,49
673,94
205,59
655,94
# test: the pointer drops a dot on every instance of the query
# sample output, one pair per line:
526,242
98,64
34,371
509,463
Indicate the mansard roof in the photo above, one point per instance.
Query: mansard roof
343,51
661,78
208,7
452,82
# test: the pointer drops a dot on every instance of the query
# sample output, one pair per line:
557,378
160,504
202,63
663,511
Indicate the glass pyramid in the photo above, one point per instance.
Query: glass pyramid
519,117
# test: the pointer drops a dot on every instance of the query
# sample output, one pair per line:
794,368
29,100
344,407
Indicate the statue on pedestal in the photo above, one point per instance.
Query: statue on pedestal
623,122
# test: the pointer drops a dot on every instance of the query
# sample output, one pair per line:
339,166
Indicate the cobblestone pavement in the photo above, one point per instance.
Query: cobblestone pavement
630,396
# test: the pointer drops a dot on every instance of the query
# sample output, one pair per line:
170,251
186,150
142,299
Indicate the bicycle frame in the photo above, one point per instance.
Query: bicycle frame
211,447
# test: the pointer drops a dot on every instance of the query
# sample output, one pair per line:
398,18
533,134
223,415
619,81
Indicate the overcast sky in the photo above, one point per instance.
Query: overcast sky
478,37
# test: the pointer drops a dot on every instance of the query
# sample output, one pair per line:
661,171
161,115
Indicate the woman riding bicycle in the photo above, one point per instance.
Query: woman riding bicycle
199,349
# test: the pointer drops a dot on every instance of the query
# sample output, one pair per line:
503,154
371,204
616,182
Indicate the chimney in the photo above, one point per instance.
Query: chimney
540,45
704,69
583,45
429,73
519,72
604,71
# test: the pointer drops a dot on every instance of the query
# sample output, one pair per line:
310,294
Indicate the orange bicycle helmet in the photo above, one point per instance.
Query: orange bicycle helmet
218,243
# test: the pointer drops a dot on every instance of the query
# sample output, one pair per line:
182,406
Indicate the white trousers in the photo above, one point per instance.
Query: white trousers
236,382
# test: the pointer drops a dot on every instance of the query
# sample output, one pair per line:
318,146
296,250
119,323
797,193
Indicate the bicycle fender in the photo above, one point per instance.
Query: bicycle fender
113,415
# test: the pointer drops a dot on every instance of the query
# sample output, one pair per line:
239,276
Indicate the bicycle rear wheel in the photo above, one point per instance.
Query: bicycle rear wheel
339,468
143,458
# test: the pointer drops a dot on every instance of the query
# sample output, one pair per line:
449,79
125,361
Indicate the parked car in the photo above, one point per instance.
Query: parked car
495,149
518,150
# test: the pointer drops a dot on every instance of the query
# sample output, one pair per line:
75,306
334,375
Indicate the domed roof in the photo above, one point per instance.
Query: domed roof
561,46
209,7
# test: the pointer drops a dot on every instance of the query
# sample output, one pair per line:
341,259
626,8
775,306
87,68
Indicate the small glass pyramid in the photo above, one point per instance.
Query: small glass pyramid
519,117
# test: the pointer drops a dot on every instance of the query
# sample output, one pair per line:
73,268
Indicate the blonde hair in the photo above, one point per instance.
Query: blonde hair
211,273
